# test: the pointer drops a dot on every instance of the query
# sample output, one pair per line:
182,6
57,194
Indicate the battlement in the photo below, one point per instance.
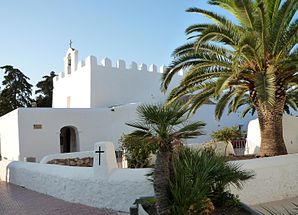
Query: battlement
91,63
89,83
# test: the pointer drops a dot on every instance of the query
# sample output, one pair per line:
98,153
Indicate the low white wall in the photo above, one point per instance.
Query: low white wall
106,186
84,154
276,179
78,184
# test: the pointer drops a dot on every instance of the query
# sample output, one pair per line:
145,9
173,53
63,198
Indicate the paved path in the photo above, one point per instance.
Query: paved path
15,200
279,207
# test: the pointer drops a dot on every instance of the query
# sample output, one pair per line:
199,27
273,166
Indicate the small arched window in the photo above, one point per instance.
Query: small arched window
69,60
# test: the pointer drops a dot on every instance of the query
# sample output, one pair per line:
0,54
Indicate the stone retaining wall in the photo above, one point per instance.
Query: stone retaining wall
83,162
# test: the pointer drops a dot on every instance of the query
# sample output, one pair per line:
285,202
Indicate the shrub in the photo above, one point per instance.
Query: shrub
137,151
227,134
200,179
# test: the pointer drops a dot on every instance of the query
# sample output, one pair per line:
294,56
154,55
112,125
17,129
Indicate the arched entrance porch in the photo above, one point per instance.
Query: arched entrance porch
69,139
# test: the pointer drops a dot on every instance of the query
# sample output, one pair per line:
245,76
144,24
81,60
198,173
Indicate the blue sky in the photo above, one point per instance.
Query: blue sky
35,33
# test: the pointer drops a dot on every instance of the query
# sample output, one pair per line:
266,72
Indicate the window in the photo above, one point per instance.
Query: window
68,101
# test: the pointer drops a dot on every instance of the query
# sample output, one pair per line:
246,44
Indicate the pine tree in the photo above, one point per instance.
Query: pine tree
16,92
45,91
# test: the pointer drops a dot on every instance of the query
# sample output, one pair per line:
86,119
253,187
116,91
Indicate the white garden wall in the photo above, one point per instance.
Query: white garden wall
276,179
102,186
77,184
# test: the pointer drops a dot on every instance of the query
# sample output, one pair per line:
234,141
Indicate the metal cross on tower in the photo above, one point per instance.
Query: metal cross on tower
70,43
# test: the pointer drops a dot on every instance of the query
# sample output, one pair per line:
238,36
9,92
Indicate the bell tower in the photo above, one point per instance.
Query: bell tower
70,60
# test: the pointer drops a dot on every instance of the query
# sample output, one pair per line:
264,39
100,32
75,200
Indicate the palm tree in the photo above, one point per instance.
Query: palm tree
166,126
249,63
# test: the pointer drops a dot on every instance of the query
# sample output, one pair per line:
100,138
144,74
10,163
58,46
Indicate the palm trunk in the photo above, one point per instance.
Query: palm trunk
161,181
270,121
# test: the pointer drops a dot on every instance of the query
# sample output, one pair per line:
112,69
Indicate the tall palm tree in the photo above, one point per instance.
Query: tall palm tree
166,126
250,62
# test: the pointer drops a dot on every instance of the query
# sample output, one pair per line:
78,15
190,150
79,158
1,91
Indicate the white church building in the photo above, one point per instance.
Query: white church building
92,102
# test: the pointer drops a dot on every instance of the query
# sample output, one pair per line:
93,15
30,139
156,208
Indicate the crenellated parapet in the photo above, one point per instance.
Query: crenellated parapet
91,63
133,66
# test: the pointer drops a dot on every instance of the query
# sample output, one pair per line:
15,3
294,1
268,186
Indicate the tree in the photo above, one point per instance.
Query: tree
45,91
251,63
166,126
16,92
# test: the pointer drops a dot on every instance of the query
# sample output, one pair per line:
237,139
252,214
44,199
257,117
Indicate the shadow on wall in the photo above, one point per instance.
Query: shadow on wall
8,175
256,150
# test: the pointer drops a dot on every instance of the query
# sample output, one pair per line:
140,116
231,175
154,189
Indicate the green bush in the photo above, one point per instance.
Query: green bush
227,134
137,151
200,179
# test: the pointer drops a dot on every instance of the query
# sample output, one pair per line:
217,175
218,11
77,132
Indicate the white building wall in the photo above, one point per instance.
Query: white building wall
9,136
93,85
120,85
92,124
73,85
206,113
290,127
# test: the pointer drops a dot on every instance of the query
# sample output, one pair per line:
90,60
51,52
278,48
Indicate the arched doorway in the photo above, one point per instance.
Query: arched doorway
69,139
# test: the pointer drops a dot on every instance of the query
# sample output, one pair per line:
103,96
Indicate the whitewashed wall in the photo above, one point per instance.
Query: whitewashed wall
120,85
91,84
75,85
92,125
77,184
9,136
276,179
206,114
290,127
